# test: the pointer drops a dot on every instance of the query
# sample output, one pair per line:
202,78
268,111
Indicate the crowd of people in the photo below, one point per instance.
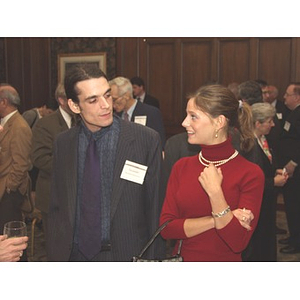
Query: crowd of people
107,177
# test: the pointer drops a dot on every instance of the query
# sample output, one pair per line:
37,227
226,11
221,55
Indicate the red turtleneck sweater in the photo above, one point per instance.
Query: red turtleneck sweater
243,185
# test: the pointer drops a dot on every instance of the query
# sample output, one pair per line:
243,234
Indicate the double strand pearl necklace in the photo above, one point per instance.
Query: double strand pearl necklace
216,163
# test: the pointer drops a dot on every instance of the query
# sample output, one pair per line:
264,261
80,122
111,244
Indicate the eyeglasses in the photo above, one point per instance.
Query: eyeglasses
116,99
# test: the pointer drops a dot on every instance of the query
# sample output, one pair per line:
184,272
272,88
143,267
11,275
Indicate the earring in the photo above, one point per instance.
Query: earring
216,135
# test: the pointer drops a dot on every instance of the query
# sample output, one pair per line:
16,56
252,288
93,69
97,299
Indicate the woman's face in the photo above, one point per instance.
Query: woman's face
201,128
265,127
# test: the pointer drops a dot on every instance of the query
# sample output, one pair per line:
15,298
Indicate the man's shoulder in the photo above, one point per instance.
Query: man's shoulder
146,108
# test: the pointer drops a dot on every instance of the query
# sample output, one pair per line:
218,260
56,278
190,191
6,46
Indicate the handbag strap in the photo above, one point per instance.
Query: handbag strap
154,236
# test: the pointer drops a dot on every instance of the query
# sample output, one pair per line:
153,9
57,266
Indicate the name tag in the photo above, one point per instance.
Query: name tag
134,172
287,126
279,116
140,120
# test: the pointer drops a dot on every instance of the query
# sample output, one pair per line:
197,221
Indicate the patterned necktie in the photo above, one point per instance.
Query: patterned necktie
126,116
138,99
90,209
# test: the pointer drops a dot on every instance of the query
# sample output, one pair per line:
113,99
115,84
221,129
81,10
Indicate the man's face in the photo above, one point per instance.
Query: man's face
95,103
119,101
265,94
290,98
272,95
137,90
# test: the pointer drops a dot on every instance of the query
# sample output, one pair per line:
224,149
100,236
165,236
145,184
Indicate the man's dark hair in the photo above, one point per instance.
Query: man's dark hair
79,73
261,82
137,81
250,91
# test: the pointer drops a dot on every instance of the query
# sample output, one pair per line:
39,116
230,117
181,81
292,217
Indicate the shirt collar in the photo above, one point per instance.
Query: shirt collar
6,118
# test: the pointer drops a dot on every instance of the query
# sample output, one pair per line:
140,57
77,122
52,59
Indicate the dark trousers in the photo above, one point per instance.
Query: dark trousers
10,210
291,194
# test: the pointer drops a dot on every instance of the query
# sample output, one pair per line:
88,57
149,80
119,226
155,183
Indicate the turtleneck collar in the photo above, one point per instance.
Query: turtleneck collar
218,151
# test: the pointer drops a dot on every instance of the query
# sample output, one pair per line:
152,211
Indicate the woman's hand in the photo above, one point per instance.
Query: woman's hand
211,179
244,216
281,177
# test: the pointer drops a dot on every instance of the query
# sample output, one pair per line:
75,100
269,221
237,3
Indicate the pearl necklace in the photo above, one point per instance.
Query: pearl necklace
216,163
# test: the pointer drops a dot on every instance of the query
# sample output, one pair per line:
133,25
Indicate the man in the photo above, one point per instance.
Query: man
250,91
34,114
140,94
129,108
116,221
290,158
44,133
281,109
15,146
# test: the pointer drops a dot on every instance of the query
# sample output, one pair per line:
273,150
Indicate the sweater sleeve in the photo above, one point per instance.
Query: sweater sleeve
252,187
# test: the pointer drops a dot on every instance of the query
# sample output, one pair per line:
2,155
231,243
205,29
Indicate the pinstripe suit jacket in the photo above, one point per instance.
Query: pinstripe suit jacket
135,208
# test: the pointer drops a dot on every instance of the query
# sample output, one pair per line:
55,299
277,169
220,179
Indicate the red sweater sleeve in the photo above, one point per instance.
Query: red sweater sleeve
252,187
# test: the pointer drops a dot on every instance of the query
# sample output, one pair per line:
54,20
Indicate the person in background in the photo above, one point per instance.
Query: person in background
15,146
213,199
263,244
12,249
44,134
105,201
233,86
290,160
133,110
250,91
139,92
33,115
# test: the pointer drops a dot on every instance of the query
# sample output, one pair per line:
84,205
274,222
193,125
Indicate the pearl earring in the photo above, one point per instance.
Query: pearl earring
216,135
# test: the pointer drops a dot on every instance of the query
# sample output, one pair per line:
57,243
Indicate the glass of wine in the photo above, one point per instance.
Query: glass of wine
15,229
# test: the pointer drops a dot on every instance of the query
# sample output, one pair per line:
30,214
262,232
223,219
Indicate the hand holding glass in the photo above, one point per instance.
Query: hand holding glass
15,229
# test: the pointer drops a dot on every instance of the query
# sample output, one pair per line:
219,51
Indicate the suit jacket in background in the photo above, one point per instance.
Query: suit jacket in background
15,146
31,116
135,208
154,118
44,133
150,100
290,139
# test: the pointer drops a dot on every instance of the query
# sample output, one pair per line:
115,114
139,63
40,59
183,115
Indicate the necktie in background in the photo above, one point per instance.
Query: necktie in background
90,209
126,116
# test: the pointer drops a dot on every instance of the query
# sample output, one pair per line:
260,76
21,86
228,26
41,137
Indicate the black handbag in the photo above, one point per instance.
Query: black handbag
175,258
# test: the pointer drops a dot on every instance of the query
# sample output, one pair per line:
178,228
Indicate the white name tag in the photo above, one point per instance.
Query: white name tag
279,116
287,126
134,172
140,120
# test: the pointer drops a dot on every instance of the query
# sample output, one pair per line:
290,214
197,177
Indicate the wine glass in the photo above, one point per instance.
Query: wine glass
15,229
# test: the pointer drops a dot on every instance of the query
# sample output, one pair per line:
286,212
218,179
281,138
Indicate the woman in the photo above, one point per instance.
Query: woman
262,246
212,197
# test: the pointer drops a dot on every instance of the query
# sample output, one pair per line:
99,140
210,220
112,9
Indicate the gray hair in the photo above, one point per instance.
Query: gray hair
9,92
262,111
124,85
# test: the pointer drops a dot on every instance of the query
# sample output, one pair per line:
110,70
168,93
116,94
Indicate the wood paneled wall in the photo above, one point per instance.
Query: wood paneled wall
174,67
27,65
171,67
